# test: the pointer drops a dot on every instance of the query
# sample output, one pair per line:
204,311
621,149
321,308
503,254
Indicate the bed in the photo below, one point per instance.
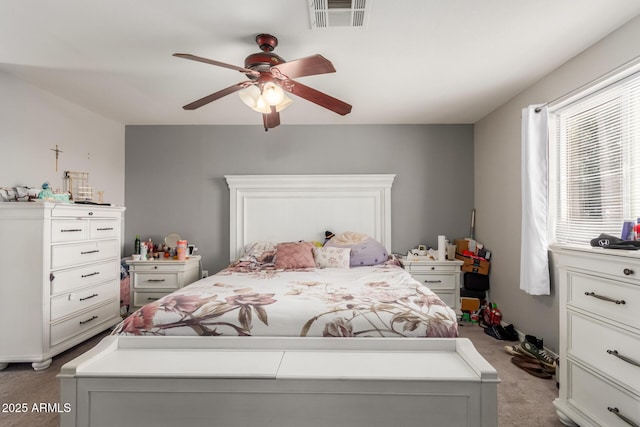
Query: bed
299,344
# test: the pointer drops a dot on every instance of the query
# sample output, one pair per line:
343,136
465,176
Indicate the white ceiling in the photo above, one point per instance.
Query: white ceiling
417,61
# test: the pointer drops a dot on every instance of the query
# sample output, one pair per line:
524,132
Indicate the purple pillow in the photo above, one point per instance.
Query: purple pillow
365,250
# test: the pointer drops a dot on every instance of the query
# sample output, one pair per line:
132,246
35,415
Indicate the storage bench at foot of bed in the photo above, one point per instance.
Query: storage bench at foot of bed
229,381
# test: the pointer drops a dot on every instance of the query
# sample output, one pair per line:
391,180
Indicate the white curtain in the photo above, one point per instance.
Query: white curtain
534,261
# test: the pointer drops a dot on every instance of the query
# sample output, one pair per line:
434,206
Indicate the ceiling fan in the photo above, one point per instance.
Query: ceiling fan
269,76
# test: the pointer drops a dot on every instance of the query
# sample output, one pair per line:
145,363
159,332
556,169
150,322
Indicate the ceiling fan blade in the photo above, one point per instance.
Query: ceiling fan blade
272,119
309,66
218,63
317,97
217,95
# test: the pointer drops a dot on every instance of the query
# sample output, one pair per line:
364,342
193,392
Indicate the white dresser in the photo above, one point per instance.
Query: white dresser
153,279
599,292
59,277
442,277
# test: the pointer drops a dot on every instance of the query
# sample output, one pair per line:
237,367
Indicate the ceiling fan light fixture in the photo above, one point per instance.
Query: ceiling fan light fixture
286,101
272,93
251,96
260,103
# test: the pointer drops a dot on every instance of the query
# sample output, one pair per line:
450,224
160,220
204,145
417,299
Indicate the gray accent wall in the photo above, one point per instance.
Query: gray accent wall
175,176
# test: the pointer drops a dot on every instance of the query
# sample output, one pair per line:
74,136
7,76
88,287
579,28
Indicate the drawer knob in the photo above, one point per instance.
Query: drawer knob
627,272
603,298
617,413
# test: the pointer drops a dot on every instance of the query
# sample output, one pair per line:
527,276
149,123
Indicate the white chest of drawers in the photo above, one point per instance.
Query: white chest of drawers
599,294
442,277
59,277
153,279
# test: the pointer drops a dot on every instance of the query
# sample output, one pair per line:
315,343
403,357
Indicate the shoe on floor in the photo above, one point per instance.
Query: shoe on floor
542,356
514,350
510,333
538,342
531,366
496,331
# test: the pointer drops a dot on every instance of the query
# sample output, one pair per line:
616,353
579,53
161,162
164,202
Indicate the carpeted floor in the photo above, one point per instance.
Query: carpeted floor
523,400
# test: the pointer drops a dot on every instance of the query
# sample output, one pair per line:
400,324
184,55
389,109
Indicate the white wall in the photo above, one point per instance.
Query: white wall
497,179
33,121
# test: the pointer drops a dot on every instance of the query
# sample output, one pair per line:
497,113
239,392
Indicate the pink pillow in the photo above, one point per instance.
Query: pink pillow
295,255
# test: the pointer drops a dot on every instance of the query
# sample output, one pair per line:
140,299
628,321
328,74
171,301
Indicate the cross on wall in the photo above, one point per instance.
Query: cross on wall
58,151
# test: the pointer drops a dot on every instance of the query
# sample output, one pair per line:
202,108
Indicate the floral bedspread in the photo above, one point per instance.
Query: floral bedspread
377,301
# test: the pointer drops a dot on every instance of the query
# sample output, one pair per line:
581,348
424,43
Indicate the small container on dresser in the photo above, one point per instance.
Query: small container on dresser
59,277
599,292
442,277
154,278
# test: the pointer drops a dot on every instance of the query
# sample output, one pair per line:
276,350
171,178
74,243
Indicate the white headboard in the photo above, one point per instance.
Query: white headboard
281,208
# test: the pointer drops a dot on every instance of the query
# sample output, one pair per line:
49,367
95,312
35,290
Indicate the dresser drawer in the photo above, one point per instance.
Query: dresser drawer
586,293
436,281
601,339
76,325
142,298
152,280
605,264
81,253
69,230
104,228
74,278
66,304
593,396
81,211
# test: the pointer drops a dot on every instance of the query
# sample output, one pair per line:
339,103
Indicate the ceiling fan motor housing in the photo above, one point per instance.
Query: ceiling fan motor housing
264,60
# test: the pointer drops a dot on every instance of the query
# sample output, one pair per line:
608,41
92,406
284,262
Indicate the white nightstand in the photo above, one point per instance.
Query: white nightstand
153,279
442,277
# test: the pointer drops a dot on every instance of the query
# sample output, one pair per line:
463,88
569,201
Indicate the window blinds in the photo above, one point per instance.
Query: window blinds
595,178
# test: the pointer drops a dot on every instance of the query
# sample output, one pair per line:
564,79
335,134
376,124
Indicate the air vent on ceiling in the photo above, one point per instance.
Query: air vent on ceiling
339,13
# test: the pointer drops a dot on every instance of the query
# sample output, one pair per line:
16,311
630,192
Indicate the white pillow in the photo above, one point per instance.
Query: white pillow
332,257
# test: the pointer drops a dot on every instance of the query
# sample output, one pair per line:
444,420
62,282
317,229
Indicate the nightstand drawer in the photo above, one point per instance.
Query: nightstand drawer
66,304
448,298
142,298
440,268
150,280
436,281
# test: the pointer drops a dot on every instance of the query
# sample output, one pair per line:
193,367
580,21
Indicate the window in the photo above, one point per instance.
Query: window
594,163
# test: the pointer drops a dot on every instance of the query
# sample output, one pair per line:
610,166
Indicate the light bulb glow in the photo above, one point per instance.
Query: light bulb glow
272,93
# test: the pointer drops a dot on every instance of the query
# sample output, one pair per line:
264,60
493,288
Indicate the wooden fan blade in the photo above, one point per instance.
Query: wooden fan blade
272,119
217,95
218,63
317,97
309,66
